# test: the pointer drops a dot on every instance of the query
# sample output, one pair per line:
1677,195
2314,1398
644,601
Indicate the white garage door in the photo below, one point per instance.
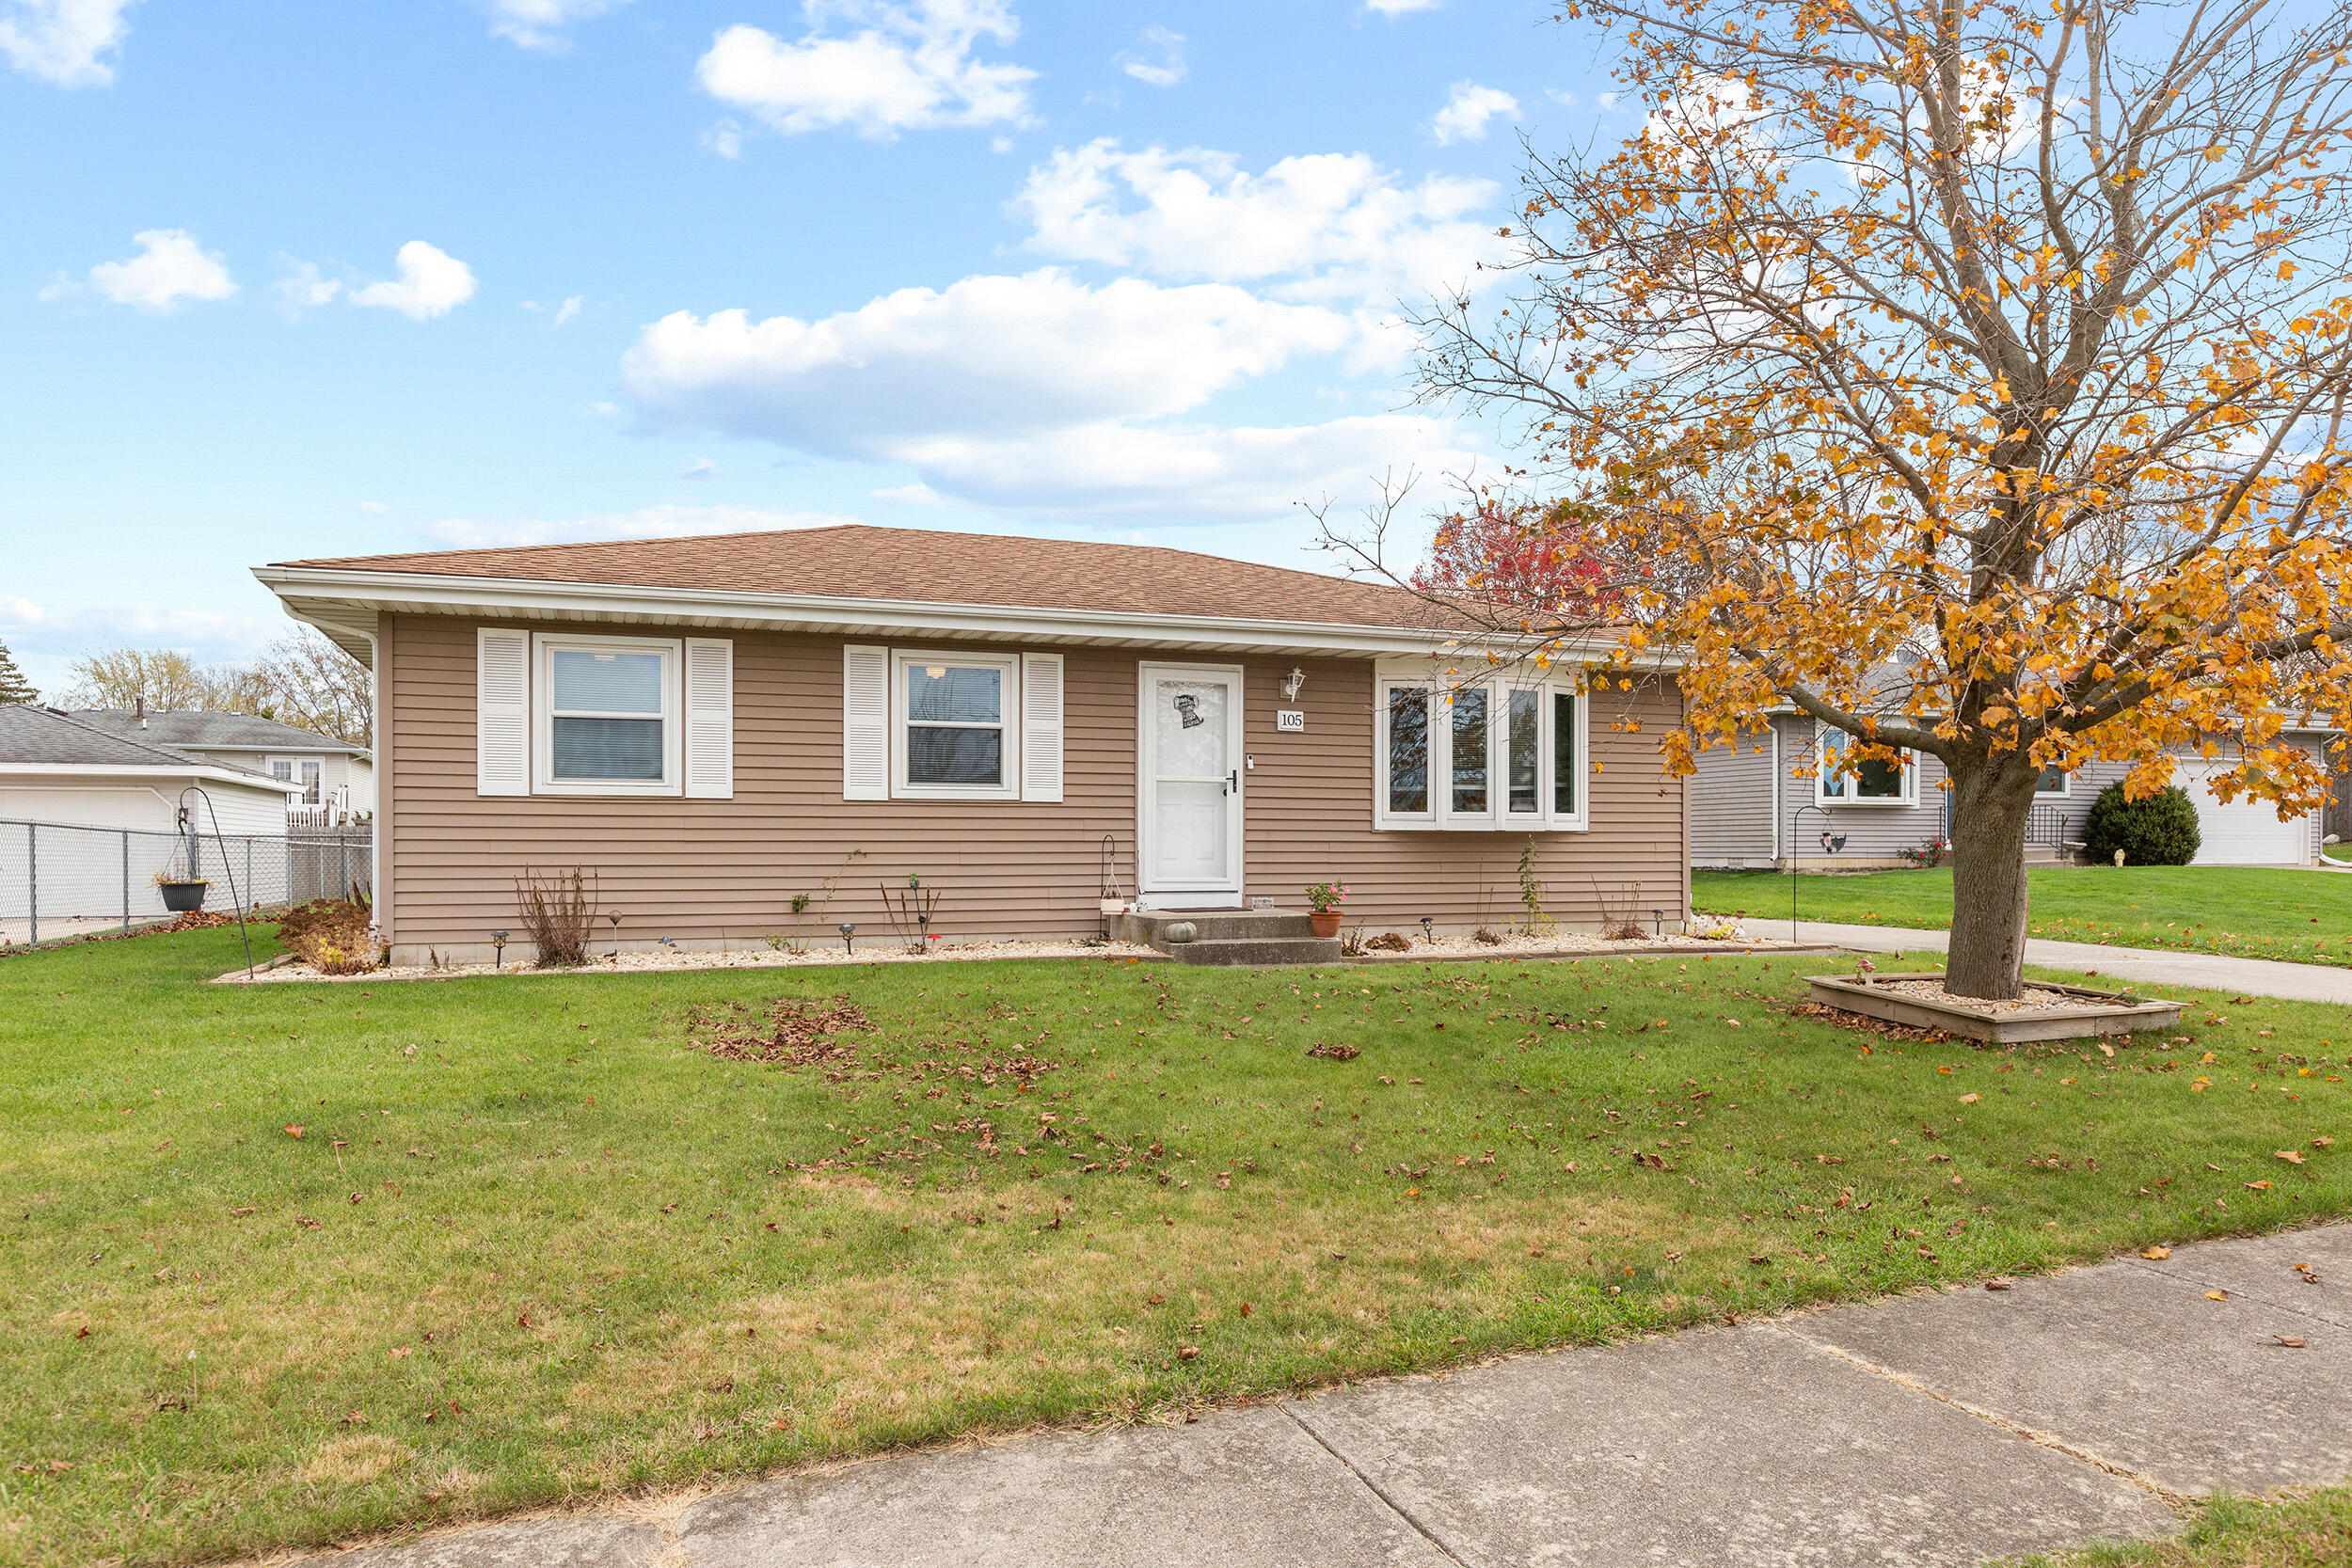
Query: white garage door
2243,832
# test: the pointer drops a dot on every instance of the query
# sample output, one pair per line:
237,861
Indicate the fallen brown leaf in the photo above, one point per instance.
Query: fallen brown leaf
2158,1253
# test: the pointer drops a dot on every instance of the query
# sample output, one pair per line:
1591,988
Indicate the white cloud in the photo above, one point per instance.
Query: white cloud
543,24
899,68
171,269
304,288
1330,227
725,138
569,309
1180,473
701,469
32,628
63,41
986,356
1467,110
1157,60
431,283
374,508
651,522
916,494
1400,8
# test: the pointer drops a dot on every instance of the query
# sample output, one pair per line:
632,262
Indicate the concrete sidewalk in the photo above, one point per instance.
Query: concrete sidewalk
1933,1429
2140,966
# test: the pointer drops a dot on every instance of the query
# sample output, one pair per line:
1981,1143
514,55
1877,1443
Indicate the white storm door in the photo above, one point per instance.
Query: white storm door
1189,832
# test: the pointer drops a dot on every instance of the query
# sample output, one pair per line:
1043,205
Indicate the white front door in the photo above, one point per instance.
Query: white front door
1189,829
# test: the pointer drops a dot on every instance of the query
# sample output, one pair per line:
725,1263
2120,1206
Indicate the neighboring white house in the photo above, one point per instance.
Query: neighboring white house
1749,810
336,779
54,768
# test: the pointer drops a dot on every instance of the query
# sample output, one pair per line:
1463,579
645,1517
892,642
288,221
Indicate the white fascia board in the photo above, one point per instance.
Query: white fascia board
529,599
95,770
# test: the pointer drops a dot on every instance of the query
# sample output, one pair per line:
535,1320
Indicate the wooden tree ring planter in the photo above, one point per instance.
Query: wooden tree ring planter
2084,1012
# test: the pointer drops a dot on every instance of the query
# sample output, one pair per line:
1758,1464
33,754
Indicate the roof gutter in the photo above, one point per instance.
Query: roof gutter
124,770
526,599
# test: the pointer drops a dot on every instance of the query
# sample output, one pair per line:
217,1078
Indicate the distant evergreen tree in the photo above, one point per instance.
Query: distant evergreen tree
14,687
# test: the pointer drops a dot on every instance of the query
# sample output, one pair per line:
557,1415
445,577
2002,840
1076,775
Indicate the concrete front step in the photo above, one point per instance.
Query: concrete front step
1218,925
1233,936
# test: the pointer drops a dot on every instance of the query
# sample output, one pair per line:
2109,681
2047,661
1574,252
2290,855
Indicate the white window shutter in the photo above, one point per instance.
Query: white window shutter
710,718
1041,726
502,711
864,722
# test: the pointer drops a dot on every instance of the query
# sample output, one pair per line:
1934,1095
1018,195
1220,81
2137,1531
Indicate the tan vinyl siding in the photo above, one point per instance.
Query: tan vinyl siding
711,870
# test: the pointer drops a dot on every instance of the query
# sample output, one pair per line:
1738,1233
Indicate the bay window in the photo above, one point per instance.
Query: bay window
1501,754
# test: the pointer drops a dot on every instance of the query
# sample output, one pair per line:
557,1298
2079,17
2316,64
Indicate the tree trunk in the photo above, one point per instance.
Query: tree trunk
1991,806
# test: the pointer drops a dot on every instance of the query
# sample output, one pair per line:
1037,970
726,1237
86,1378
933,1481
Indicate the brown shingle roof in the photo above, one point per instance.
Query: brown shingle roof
919,567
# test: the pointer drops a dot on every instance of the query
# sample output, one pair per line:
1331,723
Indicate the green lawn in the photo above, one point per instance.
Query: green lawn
2301,916
2310,1529
533,1242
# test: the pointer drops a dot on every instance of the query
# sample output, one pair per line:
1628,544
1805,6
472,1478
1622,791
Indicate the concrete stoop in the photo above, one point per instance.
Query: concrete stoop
1231,935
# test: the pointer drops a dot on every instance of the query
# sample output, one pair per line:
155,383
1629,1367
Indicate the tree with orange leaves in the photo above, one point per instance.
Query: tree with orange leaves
1970,376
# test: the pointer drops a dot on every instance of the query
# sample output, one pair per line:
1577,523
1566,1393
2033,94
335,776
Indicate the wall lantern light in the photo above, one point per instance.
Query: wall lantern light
1291,682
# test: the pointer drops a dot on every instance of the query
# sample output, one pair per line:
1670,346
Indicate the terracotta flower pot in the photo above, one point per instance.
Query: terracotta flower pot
1325,921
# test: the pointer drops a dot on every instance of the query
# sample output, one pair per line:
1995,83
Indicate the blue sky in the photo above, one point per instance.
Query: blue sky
292,279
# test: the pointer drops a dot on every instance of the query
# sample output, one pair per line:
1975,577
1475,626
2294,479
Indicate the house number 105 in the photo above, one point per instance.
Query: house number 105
1289,719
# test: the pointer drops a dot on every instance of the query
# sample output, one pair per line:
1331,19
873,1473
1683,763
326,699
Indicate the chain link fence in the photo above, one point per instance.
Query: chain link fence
58,881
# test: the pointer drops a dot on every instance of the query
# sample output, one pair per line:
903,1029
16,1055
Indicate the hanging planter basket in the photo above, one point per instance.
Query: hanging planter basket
184,898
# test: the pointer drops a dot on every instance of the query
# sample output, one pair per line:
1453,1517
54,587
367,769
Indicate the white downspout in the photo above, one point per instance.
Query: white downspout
1773,724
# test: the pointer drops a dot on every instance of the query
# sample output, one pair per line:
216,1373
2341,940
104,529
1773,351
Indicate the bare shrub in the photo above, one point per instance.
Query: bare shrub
1486,936
1620,917
557,909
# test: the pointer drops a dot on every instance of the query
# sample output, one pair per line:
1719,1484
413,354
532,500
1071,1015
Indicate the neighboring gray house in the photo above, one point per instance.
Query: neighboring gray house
54,768
1748,809
336,779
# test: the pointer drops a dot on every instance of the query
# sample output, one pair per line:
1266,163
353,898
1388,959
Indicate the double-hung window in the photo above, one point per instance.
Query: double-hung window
2055,781
307,771
1861,782
608,716
955,726
1501,753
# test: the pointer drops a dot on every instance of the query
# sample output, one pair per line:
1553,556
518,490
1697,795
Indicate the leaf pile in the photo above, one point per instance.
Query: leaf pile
330,935
1334,1050
797,1032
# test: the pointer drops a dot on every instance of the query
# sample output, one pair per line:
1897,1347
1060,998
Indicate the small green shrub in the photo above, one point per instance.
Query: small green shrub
2159,831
